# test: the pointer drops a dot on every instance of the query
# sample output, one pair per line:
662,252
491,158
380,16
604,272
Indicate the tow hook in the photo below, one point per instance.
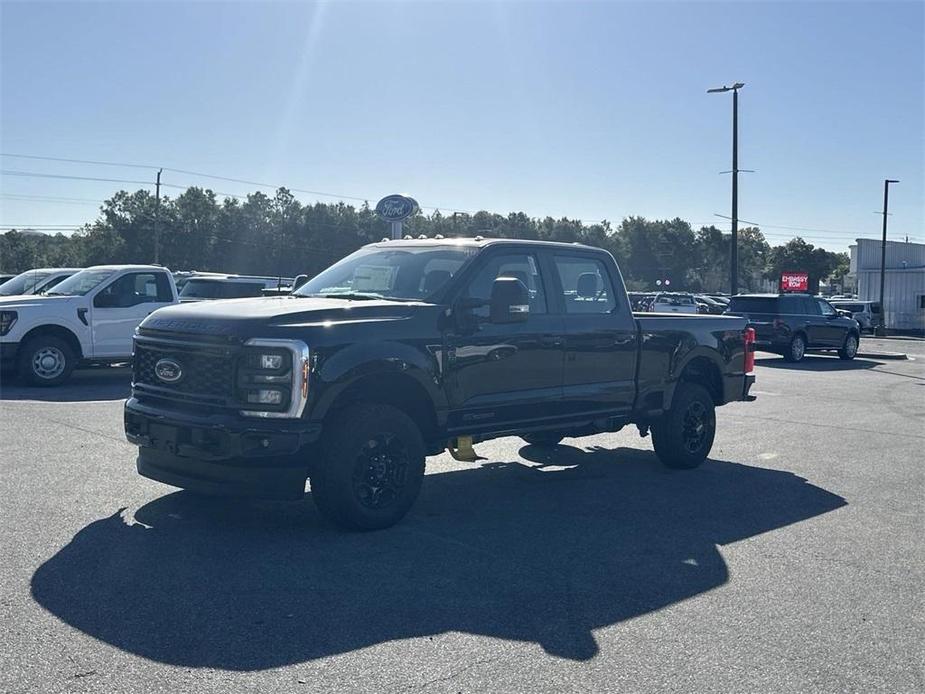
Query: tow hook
461,449
643,430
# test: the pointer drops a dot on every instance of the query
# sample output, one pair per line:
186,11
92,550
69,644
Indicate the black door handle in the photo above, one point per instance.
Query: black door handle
551,340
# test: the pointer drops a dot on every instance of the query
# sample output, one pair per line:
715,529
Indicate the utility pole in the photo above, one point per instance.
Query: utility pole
734,249
881,329
157,212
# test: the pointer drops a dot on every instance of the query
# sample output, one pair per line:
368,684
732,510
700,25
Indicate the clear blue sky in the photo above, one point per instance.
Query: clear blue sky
586,110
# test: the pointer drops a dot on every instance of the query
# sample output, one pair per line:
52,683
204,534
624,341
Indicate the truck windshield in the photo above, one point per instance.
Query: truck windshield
24,283
81,283
409,273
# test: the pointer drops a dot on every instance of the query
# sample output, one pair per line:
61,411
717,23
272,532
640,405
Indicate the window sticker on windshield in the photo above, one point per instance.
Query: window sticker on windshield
373,278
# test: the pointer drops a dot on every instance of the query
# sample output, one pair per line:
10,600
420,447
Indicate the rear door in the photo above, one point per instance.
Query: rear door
121,305
600,335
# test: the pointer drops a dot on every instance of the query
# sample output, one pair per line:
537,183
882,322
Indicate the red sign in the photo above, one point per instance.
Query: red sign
794,282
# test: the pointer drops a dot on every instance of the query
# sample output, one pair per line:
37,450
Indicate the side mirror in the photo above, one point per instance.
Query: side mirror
104,300
510,301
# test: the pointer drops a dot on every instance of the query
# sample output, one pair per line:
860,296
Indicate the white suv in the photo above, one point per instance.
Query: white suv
89,317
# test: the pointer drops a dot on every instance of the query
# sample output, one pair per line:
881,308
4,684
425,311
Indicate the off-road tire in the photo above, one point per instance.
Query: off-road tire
683,436
371,469
45,361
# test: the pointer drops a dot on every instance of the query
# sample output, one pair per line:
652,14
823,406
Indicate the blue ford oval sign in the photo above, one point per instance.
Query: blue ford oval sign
168,370
394,208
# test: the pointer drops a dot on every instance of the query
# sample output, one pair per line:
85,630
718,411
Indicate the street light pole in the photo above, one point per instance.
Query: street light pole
881,329
734,249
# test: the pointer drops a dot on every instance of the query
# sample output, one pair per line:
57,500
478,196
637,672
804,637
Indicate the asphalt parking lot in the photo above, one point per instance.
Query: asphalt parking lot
791,561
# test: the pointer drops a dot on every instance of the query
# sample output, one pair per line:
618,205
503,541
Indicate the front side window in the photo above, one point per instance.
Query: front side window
586,286
132,289
521,266
826,309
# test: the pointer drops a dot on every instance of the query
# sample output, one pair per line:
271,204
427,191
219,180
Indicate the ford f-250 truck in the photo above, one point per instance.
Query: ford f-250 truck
406,348
90,317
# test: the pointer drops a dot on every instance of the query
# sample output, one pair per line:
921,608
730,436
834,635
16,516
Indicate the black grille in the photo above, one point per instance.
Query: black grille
208,370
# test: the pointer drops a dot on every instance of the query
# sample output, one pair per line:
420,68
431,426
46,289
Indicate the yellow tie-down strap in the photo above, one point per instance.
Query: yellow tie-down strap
461,449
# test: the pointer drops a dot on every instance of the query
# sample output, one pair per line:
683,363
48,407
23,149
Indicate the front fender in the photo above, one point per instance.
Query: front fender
335,373
26,324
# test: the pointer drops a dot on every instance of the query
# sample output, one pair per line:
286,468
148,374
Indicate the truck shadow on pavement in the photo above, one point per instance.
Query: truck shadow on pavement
540,553
817,362
99,383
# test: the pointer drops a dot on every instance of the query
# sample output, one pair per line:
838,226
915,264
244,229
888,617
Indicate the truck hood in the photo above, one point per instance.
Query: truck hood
21,301
241,317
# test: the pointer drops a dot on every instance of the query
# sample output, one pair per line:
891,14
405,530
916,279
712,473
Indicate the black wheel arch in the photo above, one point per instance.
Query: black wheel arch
57,331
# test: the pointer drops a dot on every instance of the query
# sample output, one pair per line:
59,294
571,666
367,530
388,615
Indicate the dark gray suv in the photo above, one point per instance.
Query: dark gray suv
794,324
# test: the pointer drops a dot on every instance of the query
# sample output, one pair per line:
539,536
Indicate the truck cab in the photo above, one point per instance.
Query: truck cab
90,317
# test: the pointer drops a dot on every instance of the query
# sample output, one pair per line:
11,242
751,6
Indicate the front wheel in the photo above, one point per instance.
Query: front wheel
850,349
372,468
684,435
46,360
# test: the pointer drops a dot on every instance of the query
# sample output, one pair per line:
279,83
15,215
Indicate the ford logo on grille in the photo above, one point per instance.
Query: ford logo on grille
168,371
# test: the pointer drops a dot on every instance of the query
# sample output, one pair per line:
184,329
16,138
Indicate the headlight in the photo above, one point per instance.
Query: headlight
7,319
272,379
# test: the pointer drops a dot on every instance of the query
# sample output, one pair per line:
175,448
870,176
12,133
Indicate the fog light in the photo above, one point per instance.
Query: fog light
265,396
271,361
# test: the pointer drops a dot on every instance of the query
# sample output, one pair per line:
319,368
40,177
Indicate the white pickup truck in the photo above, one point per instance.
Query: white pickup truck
88,318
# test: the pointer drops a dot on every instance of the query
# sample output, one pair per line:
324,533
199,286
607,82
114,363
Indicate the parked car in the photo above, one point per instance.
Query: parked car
794,324
866,313
405,348
705,304
36,281
673,302
89,317
199,288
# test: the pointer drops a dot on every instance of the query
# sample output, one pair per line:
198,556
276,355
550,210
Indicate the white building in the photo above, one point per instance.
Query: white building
904,288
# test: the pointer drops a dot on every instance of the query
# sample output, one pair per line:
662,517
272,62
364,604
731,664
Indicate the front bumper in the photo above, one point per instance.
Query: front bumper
220,454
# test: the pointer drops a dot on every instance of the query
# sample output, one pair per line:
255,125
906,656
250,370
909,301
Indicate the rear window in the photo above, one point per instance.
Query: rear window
753,304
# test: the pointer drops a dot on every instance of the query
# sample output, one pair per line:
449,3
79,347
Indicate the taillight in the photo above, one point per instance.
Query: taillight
749,350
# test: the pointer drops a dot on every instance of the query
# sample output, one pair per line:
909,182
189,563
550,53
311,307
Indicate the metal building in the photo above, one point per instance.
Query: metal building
904,288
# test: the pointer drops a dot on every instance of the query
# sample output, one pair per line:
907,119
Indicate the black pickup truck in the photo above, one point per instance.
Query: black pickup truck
406,348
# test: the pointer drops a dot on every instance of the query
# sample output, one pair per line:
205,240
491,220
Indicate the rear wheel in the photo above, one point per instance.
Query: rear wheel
684,435
796,350
544,439
850,349
46,360
372,469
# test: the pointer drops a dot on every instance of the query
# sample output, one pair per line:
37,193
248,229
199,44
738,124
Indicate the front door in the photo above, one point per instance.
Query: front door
504,375
600,349
121,305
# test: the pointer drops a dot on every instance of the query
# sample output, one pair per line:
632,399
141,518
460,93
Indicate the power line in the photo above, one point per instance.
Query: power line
47,198
36,174
76,161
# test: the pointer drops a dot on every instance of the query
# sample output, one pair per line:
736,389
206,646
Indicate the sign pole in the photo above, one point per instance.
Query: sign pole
396,230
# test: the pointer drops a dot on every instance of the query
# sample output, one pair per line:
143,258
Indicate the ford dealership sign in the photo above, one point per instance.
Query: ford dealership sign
395,208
